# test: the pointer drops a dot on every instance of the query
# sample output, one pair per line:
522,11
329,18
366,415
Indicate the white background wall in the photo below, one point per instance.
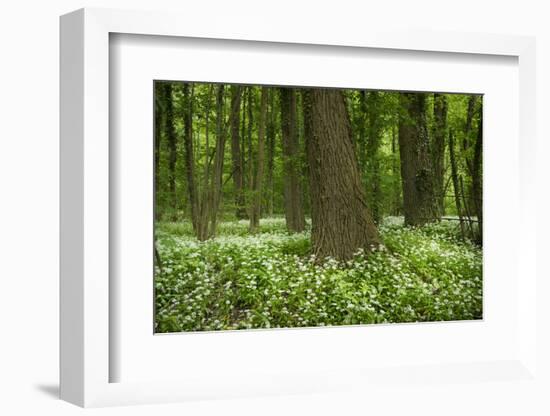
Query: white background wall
29,207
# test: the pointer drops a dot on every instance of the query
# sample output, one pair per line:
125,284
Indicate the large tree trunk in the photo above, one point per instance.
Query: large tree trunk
362,140
438,149
341,221
236,92
218,162
257,183
419,202
294,213
189,155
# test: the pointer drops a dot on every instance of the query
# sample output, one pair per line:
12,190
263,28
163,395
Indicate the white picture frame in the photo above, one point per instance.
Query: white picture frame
86,356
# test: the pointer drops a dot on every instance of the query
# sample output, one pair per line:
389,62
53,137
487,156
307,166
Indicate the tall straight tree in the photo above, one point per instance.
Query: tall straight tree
244,100
374,114
250,109
236,92
172,144
419,202
219,156
294,212
477,177
456,181
467,141
259,174
270,135
159,110
205,203
396,173
472,148
438,149
341,220
189,154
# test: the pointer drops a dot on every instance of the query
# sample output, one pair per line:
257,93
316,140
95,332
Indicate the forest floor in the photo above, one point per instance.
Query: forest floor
269,280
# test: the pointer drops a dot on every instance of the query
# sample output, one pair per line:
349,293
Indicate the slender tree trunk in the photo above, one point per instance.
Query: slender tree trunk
454,176
172,149
158,260
477,179
257,184
250,164
270,131
244,164
438,149
396,175
218,162
158,135
419,203
372,154
236,92
341,221
467,142
468,214
301,156
189,155
294,213
206,191
470,113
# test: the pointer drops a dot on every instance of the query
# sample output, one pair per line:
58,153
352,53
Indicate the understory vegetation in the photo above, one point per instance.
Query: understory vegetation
270,279
284,207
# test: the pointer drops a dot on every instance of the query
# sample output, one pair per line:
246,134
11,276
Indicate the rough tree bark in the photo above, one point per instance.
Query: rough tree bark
294,213
362,142
341,221
438,149
236,92
258,177
419,202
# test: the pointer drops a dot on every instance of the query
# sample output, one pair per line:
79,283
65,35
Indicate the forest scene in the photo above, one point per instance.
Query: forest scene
283,207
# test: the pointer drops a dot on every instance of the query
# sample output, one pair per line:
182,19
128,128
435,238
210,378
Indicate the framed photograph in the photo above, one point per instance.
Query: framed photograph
282,212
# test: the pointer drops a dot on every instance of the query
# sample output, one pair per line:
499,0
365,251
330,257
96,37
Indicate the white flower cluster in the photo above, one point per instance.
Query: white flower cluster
269,279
